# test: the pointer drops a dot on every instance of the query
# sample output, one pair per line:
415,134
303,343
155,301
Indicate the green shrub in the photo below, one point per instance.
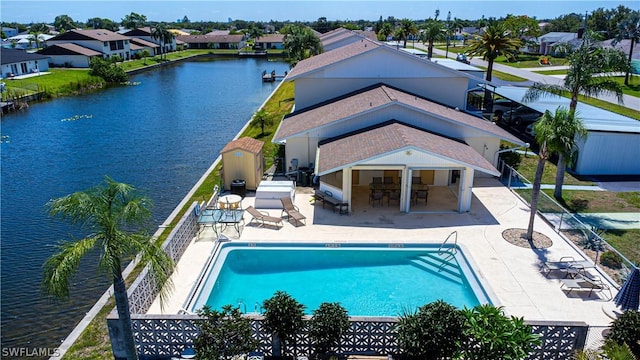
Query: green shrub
626,330
511,158
283,317
223,334
329,322
432,332
611,259
489,334
110,72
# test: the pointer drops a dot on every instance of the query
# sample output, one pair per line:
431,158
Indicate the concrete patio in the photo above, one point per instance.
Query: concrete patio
511,271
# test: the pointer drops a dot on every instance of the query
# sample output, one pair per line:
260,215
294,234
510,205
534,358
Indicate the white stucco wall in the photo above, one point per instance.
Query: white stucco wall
76,61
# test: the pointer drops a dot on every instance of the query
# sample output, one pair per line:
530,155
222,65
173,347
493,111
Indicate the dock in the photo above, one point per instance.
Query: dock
271,77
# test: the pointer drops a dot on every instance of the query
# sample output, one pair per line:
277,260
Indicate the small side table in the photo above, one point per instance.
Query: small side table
344,208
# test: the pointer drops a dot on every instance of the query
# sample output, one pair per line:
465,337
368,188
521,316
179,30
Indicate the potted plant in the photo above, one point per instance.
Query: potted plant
283,318
327,325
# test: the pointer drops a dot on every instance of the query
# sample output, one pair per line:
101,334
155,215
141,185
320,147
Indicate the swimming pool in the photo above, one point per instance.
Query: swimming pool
368,280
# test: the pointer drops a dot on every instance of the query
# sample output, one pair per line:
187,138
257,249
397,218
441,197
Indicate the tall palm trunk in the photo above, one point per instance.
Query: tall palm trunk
124,317
557,192
535,191
430,49
626,75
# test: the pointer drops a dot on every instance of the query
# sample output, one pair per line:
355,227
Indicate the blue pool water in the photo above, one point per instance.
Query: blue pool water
367,281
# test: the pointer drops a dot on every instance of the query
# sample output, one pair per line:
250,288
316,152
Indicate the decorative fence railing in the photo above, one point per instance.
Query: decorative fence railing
164,336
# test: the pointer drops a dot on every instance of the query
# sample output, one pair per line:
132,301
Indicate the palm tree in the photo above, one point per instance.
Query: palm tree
261,118
255,33
301,43
629,28
583,77
432,32
495,41
107,210
407,27
161,32
385,31
556,133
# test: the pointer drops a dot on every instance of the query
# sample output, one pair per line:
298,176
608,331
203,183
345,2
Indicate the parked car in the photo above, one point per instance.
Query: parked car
463,58
501,106
521,116
530,130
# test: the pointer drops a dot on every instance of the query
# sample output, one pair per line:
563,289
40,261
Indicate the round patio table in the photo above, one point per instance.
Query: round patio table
230,202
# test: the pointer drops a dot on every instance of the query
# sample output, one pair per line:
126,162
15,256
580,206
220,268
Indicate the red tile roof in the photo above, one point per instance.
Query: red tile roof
393,137
245,143
376,98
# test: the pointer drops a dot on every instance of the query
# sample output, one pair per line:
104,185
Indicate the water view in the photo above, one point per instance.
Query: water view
160,134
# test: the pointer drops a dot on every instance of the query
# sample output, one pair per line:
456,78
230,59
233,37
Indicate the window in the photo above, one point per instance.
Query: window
23,68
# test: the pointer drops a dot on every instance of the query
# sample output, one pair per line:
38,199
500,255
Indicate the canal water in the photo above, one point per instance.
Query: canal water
160,133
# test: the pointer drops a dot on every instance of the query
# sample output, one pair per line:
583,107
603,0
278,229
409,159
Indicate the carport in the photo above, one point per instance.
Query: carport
617,134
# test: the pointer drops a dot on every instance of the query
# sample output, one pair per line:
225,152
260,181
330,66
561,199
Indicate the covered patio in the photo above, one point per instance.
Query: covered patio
402,167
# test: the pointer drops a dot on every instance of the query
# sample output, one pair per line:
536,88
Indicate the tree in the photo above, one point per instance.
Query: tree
625,329
261,118
329,322
134,21
431,333
63,23
161,33
522,25
495,41
432,32
107,70
39,28
489,334
385,30
109,211
144,54
223,334
629,28
555,133
283,317
255,33
587,76
407,28
301,43
99,23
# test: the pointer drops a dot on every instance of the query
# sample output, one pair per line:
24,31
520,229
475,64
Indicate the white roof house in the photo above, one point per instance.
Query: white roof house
367,110
613,142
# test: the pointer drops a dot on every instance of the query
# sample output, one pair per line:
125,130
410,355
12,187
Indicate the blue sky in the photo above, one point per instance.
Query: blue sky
26,11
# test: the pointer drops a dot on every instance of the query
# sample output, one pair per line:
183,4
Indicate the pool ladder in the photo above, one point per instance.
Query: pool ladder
448,252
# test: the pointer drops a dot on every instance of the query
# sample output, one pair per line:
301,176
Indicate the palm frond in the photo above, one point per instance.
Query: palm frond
61,266
540,90
159,263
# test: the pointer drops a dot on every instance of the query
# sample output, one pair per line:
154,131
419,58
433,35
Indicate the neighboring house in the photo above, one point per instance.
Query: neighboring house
549,40
19,62
107,42
28,41
218,32
367,110
270,41
9,32
144,33
613,141
70,55
370,34
140,45
213,41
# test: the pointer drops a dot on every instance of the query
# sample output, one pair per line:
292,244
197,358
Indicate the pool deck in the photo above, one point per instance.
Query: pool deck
512,272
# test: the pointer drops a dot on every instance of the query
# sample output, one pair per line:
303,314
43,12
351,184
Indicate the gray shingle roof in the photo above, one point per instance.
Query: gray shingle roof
376,98
10,56
393,137
69,49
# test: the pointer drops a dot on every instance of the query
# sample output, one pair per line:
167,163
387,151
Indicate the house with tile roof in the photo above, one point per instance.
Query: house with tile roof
270,41
145,33
367,110
213,41
106,42
70,55
17,62
139,45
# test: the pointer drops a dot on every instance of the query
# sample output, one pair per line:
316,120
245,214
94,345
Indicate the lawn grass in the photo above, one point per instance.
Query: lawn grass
94,342
528,167
633,89
59,82
585,201
529,61
625,241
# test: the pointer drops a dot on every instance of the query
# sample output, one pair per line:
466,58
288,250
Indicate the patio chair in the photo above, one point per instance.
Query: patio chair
376,195
394,195
568,265
585,282
291,211
262,217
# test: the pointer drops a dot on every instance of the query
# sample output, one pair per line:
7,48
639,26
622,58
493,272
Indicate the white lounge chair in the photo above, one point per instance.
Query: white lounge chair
584,283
